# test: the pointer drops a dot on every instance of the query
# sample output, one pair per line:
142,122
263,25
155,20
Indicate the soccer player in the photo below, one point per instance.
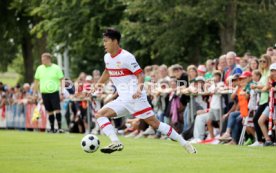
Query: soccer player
126,74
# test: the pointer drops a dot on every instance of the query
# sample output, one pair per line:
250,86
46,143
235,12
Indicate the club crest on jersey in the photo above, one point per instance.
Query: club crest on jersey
118,64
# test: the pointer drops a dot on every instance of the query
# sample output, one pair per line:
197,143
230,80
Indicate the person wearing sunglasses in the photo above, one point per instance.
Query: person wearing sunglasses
265,62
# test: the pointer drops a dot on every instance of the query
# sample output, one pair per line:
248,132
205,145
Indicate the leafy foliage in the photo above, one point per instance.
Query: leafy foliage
162,32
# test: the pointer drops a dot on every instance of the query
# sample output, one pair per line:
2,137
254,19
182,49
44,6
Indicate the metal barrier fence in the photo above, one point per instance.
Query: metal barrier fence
20,116
192,108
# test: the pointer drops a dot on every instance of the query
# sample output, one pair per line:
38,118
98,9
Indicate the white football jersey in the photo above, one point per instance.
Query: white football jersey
122,69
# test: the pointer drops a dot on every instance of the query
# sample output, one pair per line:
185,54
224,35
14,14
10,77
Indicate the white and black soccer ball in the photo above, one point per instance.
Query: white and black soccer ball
90,143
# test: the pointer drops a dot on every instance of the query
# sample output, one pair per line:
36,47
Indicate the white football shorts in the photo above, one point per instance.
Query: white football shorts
138,108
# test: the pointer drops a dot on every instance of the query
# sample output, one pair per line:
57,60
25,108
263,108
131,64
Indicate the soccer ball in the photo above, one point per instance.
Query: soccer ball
90,143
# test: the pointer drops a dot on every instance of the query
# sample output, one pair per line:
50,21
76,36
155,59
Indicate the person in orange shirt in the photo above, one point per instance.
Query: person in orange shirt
234,124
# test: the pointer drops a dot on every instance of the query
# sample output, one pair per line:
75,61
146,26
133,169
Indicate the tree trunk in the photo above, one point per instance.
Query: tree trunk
228,27
27,48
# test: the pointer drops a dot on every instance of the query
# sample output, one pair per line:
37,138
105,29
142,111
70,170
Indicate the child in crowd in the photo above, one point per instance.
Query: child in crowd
235,119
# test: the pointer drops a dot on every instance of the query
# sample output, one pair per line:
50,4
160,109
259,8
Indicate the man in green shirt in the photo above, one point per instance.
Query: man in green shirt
49,78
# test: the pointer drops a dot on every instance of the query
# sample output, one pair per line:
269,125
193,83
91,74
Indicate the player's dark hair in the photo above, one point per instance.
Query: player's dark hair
112,34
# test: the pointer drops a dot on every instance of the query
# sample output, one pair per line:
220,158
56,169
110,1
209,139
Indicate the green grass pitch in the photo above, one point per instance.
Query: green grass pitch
36,152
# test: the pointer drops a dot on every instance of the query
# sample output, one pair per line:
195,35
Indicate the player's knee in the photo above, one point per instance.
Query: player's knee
154,124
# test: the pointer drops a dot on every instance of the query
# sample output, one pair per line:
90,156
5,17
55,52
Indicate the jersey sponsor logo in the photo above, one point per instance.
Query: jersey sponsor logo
116,73
119,72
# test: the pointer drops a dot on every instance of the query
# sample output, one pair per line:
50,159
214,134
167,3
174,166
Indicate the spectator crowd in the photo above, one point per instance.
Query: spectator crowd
210,103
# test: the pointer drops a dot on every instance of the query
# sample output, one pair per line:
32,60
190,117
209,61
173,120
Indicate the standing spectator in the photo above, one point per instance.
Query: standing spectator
209,69
273,58
163,73
232,67
222,63
265,62
201,70
247,56
252,107
215,102
269,51
182,80
96,74
2,87
147,70
49,78
192,73
2,102
254,64
265,115
244,64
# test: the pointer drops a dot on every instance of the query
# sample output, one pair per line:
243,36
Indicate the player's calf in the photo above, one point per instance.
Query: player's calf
170,132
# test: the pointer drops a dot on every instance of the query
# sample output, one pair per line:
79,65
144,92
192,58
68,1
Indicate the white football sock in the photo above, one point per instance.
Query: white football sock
171,133
108,129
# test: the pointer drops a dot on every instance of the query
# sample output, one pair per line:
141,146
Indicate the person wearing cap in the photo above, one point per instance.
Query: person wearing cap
201,70
265,115
248,76
234,123
206,116
265,62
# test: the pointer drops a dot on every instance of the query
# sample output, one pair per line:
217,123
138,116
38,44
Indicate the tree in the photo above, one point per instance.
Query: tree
189,31
78,26
16,24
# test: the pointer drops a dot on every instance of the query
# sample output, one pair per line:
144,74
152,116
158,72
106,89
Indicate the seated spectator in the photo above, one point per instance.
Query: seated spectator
235,119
